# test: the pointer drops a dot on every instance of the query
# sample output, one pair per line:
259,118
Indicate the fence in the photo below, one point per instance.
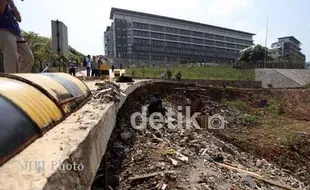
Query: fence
271,65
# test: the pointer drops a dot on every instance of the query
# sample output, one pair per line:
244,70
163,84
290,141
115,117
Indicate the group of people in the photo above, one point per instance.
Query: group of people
17,55
168,74
92,66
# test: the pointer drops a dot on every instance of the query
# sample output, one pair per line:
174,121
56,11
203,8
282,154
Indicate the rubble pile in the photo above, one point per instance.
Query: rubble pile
234,117
188,158
107,91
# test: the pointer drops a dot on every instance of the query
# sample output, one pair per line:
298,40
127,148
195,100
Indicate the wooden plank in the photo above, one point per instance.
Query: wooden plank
145,176
257,176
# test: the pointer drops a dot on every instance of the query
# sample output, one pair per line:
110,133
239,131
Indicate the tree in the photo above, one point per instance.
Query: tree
253,55
42,51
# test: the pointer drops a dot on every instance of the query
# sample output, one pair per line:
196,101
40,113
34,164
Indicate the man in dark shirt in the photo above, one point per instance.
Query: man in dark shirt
156,105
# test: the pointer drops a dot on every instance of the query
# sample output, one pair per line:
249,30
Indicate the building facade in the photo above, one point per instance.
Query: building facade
141,36
108,42
288,49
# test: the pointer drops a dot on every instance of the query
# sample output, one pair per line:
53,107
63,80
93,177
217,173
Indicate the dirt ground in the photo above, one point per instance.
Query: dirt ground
282,137
267,132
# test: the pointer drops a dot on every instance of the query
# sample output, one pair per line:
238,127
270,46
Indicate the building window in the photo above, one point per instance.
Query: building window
217,37
209,42
140,25
186,32
129,32
230,45
185,39
210,36
171,37
156,28
229,39
157,35
197,41
172,30
198,34
220,44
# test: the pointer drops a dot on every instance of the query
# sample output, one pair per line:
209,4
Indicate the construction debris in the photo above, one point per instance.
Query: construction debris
150,175
174,162
251,174
192,152
107,91
200,159
124,79
234,117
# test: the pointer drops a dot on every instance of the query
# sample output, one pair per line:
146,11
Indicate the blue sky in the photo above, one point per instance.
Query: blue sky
87,20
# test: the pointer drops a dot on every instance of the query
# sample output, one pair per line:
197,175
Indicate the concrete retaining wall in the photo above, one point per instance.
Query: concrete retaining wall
80,140
230,83
283,78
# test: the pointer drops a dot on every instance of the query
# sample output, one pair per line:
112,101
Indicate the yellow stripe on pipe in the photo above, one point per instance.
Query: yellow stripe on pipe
76,81
55,89
34,103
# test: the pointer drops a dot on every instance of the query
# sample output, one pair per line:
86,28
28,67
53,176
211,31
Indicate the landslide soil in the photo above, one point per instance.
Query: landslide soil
280,135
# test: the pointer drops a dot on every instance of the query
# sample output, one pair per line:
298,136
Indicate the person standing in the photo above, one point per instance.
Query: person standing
94,65
88,65
178,76
169,74
72,69
17,55
163,75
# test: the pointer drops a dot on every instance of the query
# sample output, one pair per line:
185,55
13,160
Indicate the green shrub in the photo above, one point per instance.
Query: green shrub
252,119
290,140
238,104
275,108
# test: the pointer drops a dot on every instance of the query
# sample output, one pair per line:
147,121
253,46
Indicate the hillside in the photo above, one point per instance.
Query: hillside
212,73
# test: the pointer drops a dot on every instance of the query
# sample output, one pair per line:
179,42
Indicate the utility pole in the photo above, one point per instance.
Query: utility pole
60,42
266,49
58,46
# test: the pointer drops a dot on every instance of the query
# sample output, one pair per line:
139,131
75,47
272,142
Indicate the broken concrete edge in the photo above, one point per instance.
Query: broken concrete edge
80,140
230,83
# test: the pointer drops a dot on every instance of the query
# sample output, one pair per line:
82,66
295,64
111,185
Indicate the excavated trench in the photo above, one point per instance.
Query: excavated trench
191,156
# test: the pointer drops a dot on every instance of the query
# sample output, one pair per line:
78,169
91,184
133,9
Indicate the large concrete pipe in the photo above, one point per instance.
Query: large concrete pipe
31,104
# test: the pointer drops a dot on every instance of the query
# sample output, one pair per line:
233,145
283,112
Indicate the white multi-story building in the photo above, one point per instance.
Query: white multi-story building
142,36
288,49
